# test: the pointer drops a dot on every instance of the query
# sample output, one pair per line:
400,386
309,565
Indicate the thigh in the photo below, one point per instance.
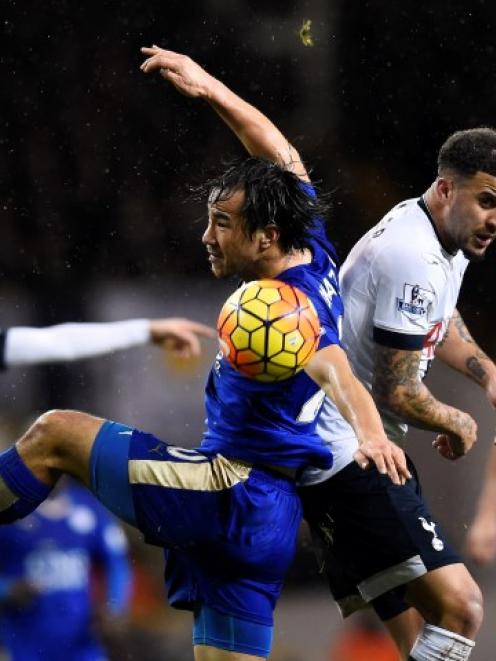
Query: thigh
182,497
374,536
240,572
177,497
229,529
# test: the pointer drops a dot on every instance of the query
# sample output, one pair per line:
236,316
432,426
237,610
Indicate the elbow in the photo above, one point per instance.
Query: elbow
393,400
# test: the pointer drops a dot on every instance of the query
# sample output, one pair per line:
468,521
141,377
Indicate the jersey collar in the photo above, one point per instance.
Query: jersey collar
422,204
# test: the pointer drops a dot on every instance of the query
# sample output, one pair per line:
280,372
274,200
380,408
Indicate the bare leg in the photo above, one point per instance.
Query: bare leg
60,442
449,598
404,629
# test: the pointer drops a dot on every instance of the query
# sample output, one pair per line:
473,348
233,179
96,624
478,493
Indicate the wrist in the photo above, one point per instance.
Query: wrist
456,422
214,91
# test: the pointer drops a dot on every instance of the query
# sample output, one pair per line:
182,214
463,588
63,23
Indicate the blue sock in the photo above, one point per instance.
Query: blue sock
20,491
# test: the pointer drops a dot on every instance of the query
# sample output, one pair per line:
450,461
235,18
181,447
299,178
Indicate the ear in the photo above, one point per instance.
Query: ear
269,235
444,188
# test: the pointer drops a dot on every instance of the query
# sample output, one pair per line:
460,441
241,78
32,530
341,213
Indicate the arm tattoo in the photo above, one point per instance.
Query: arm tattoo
473,362
475,368
394,368
445,337
461,328
398,388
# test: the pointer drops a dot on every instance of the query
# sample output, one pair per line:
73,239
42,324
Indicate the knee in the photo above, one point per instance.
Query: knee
61,442
464,610
49,423
47,432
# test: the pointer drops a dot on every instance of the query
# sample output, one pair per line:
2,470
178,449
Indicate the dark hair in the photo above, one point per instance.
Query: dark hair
468,152
273,196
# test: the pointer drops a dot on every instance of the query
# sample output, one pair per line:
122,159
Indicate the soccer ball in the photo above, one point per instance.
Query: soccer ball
268,330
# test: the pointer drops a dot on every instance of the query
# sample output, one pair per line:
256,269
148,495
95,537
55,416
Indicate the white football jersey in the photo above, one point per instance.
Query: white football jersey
399,287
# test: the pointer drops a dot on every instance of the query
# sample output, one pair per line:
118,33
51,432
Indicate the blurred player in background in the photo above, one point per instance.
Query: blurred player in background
400,286
481,536
25,345
229,513
47,604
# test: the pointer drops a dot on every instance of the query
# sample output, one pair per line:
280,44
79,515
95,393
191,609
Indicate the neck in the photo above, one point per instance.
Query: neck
271,268
437,213
430,203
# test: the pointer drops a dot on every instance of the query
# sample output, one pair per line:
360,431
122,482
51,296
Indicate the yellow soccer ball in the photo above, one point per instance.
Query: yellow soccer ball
268,330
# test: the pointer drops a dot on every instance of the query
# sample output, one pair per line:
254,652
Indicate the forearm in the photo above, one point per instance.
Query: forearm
459,351
416,405
258,134
331,371
356,406
397,388
67,342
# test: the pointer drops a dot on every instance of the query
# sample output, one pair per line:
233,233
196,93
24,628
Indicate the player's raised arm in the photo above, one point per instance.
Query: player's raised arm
258,134
330,368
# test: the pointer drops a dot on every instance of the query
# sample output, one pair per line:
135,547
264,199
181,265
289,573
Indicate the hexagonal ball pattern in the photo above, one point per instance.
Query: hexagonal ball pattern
268,330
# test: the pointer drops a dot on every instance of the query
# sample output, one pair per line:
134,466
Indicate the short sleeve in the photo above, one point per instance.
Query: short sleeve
405,298
329,307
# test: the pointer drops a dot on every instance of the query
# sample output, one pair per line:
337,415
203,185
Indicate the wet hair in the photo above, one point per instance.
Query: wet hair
467,152
273,196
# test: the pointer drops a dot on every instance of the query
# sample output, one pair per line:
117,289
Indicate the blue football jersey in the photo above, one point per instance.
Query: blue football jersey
56,554
274,423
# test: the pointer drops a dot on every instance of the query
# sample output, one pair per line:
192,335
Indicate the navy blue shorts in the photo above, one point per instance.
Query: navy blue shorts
229,528
373,537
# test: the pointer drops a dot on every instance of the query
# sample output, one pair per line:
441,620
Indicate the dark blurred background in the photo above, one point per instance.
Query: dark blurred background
96,160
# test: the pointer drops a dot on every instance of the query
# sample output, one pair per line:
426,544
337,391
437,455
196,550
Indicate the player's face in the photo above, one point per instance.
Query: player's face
230,251
471,217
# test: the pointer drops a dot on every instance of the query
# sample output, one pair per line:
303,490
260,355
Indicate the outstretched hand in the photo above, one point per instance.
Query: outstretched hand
186,75
388,457
180,336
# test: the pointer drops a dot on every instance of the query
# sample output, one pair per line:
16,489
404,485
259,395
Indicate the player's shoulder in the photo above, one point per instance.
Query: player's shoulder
398,226
405,239
316,277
